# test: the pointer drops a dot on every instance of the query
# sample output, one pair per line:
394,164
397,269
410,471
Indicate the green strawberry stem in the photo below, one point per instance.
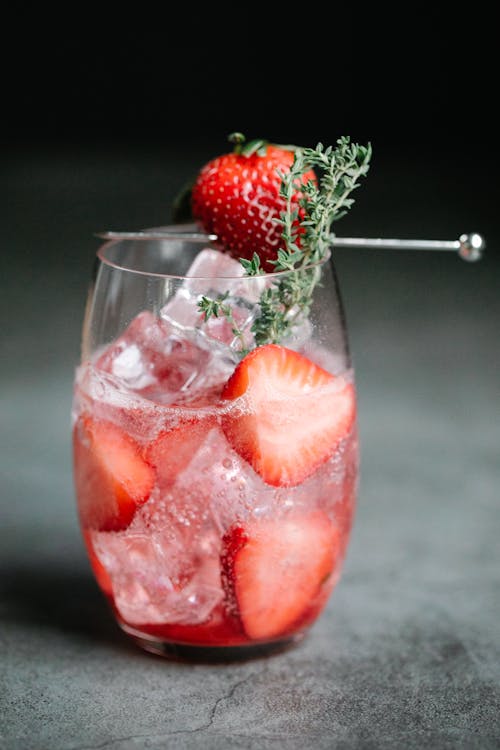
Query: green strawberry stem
257,146
238,139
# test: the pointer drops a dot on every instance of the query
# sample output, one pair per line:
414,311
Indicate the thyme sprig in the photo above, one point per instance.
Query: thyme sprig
217,308
306,233
307,240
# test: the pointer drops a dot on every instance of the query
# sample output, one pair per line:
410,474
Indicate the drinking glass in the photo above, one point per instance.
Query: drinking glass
201,553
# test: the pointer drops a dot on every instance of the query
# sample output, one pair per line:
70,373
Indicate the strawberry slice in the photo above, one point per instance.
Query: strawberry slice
112,479
293,414
173,449
274,570
102,576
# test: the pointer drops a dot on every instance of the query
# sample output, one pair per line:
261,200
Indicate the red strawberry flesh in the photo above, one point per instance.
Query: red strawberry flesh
102,576
276,569
292,414
112,478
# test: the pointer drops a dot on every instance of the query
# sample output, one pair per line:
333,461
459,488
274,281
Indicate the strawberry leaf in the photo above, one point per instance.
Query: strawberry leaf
257,146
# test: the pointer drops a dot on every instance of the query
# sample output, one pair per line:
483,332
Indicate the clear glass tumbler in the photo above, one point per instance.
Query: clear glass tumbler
215,468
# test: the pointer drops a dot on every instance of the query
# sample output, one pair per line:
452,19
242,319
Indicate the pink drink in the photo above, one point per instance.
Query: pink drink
215,490
159,547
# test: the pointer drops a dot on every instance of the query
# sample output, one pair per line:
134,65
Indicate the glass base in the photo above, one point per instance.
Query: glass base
208,654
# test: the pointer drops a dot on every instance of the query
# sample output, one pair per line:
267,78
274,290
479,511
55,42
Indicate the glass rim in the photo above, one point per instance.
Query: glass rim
172,234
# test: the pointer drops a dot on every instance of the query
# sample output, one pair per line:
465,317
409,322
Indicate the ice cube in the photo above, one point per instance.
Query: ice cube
214,274
225,275
220,268
156,577
129,365
231,489
222,329
136,354
164,362
182,312
106,397
166,565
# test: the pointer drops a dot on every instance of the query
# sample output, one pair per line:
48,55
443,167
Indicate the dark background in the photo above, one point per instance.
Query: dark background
102,126
106,121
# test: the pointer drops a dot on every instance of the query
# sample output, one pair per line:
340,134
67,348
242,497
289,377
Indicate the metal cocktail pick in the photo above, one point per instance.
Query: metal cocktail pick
470,247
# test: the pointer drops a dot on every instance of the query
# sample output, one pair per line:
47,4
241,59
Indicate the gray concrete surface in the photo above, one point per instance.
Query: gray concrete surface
407,653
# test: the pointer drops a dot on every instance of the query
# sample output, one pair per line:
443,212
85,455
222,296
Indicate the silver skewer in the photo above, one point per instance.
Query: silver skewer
159,235
470,247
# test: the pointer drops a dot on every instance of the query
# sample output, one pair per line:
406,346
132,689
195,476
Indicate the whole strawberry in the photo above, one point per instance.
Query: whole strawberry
237,195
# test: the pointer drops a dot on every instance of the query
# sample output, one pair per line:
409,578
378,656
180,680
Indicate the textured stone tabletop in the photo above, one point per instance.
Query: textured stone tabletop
407,654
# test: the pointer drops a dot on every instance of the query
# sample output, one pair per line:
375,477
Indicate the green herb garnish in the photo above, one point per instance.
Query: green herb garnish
217,308
307,235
